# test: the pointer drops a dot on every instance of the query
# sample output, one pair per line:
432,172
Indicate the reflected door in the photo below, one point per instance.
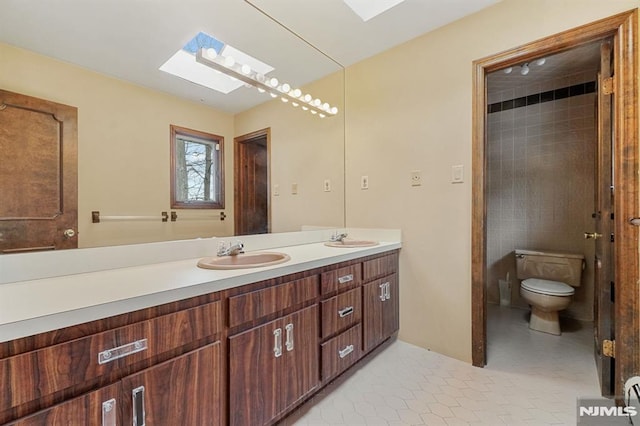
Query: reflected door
38,174
252,183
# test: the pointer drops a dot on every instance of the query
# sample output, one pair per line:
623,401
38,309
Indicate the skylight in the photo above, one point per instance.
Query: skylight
367,9
183,64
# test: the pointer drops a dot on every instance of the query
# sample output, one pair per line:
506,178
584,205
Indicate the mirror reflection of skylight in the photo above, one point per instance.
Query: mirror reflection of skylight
183,64
367,9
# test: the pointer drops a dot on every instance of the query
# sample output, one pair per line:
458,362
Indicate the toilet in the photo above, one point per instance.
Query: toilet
548,281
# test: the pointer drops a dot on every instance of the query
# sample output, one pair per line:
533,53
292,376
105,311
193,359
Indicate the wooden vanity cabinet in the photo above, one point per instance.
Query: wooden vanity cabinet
96,374
272,367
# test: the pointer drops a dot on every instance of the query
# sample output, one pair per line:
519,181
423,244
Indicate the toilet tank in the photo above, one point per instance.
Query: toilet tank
550,265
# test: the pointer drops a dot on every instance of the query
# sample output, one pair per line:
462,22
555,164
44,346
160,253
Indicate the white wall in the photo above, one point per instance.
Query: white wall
410,109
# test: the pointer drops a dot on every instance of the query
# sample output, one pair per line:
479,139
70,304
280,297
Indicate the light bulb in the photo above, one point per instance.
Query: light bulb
295,104
285,88
260,77
326,106
285,100
273,82
317,102
541,61
508,70
334,110
525,69
296,93
246,69
229,61
307,98
211,53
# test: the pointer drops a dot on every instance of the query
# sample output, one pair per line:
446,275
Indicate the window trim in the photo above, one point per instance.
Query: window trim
177,131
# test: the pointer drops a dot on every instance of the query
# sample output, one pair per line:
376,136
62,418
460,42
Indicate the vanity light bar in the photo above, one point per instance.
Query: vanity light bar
266,84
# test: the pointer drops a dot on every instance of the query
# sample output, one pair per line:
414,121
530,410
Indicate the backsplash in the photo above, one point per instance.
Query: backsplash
540,179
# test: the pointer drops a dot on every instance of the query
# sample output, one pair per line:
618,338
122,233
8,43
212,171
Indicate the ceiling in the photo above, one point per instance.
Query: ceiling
580,59
131,39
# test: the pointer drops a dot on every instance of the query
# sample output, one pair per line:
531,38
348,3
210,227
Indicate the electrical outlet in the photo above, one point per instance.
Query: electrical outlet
276,190
416,178
364,182
327,185
294,188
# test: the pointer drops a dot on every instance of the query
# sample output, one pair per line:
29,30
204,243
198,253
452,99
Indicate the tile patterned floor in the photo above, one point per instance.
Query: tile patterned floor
408,385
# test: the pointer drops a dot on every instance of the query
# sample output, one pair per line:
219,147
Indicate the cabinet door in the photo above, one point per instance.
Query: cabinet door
95,408
301,372
373,314
254,375
391,315
380,311
183,391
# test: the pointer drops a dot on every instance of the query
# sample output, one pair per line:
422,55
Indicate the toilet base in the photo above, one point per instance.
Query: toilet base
546,322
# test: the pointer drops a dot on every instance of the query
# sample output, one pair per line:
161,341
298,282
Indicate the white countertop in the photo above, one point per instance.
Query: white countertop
39,305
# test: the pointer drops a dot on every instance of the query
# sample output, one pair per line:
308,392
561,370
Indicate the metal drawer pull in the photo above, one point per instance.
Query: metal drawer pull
289,342
346,351
346,311
277,346
109,412
345,279
383,294
387,291
138,406
122,351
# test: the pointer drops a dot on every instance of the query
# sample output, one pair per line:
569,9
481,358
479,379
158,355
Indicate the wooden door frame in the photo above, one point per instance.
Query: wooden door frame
237,142
623,28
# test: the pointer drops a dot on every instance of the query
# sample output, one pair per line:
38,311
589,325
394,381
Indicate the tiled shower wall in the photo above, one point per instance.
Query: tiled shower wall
540,183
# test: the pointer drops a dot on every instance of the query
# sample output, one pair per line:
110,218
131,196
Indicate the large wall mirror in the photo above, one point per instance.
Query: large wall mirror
104,58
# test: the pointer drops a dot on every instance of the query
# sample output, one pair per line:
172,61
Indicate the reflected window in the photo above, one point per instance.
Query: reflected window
197,175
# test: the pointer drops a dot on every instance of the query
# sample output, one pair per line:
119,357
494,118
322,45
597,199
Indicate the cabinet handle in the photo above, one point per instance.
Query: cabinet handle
122,351
138,406
277,347
383,294
346,311
387,291
289,342
109,412
346,351
345,279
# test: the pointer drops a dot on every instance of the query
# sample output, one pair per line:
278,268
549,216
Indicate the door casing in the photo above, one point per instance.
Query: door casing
623,28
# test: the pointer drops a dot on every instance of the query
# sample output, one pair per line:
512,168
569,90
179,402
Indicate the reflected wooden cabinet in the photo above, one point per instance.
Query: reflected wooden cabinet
272,367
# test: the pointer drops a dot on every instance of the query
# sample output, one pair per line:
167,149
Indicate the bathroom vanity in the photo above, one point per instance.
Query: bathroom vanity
239,350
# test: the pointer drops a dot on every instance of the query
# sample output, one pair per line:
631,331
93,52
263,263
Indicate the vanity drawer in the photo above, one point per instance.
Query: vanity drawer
341,352
32,375
341,279
260,303
341,312
380,267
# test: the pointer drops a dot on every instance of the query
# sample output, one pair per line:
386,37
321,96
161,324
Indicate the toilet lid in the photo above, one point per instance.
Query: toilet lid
554,288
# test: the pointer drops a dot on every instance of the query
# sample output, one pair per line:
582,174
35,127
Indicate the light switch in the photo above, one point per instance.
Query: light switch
364,182
276,190
457,174
294,188
327,185
416,178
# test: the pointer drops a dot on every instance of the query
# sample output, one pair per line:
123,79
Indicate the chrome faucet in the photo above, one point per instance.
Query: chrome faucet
338,237
229,249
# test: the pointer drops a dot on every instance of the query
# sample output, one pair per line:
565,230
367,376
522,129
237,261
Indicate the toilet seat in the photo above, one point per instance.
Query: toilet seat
552,288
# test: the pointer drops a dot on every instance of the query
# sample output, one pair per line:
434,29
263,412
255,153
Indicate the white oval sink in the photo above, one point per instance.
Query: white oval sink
347,243
244,260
